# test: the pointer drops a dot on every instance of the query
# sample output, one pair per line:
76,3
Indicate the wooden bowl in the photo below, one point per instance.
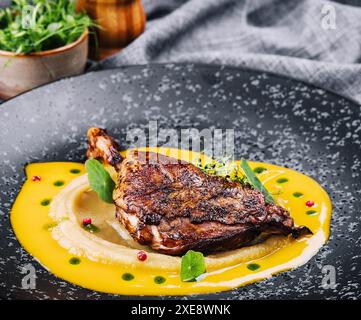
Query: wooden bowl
22,72
120,21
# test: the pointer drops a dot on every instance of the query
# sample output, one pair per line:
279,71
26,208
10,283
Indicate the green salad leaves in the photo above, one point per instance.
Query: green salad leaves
192,266
100,180
37,25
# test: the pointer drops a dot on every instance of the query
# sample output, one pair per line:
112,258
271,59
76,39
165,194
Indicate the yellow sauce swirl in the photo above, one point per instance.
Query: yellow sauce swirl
33,227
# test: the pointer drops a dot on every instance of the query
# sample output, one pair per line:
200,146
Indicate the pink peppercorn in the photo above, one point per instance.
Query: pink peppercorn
87,221
142,255
310,203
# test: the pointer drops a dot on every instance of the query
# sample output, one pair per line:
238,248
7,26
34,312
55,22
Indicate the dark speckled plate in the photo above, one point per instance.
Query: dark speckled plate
276,120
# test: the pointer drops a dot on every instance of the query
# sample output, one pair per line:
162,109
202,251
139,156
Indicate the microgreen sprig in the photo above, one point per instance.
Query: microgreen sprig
52,24
241,173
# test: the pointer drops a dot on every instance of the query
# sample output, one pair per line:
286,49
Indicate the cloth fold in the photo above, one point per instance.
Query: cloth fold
315,41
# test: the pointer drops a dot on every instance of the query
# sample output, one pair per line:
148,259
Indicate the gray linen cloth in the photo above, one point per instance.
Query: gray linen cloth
302,39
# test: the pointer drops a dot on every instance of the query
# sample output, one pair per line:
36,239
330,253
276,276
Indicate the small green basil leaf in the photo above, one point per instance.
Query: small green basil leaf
100,180
192,266
255,182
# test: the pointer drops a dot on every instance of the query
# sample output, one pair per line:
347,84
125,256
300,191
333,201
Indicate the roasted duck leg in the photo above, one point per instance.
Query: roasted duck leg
173,206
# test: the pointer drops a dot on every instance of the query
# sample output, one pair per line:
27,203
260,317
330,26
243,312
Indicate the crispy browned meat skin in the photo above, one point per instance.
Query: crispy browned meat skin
102,146
173,206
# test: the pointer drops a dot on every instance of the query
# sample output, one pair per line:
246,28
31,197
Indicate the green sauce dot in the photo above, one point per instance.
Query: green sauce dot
298,194
58,183
259,170
75,171
127,277
159,279
311,212
45,202
74,260
91,228
49,226
253,266
282,180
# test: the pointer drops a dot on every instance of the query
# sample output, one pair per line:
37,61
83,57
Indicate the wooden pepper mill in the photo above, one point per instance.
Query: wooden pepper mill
120,21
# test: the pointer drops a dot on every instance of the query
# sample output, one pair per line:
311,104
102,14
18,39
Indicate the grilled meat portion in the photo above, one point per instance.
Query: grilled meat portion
173,206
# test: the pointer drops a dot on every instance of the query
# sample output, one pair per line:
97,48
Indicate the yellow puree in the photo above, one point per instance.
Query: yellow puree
33,227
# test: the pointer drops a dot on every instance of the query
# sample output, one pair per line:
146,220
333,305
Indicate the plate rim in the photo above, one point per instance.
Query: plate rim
95,70
206,66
